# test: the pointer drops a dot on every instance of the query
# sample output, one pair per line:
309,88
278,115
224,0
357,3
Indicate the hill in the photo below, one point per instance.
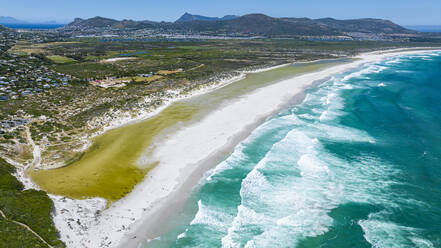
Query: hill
106,23
187,17
95,22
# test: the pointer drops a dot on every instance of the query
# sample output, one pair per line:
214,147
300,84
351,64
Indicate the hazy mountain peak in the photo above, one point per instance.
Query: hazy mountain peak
10,20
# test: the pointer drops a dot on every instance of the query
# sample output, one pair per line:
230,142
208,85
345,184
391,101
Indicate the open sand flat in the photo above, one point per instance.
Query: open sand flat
116,59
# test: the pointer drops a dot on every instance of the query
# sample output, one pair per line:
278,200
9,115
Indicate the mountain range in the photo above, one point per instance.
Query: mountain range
10,20
7,20
248,25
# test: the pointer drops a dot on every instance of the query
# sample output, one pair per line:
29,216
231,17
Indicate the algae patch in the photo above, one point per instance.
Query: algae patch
108,168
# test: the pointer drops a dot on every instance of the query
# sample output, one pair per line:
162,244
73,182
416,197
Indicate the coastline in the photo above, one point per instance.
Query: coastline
168,185
164,208
113,164
74,218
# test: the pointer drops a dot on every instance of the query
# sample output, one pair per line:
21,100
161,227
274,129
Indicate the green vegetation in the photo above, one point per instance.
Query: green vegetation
60,59
13,235
84,57
28,207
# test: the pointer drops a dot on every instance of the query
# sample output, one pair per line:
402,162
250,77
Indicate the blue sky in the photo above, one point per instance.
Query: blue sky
405,12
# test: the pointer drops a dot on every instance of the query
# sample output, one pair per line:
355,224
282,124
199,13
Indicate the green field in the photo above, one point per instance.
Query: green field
60,59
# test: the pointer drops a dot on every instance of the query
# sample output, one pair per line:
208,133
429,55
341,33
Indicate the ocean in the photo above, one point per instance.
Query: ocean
356,164
31,26
426,28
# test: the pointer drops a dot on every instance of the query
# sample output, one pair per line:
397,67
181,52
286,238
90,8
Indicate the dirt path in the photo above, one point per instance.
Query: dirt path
35,149
27,227
36,161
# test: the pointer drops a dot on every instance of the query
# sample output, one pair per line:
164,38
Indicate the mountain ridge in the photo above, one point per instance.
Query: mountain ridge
8,20
187,17
249,25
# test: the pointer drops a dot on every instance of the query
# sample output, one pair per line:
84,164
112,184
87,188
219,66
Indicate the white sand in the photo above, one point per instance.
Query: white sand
183,156
116,59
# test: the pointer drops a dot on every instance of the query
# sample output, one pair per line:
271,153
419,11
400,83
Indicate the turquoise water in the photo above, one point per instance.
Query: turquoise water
33,26
357,164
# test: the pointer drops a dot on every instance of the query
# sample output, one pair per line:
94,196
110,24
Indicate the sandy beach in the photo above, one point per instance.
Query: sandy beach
183,156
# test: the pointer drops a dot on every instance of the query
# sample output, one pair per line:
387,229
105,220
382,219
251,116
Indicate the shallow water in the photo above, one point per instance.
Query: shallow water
357,164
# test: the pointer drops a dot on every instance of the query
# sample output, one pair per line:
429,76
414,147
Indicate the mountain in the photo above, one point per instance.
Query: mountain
10,20
248,25
366,25
101,22
258,24
187,17
95,22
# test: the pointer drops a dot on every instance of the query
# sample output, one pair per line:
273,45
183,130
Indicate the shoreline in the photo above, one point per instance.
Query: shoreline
147,226
87,212
170,207
119,122
167,186
126,119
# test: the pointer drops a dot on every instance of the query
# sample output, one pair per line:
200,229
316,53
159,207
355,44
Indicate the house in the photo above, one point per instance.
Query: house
26,92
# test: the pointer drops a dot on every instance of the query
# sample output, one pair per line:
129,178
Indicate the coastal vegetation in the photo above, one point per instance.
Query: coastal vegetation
25,215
